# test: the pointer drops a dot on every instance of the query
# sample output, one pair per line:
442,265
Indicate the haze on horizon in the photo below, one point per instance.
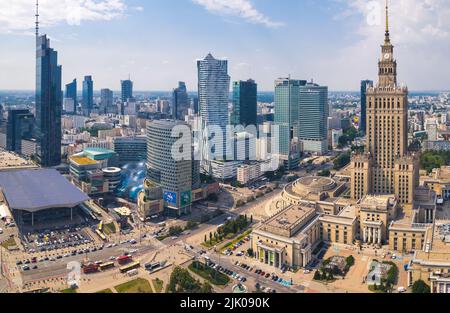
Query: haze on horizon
334,42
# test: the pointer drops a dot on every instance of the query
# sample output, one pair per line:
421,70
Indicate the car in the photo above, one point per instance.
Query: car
27,262
267,275
402,289
35,267
19,263
59,257
26,268
306,272
109,246
1,231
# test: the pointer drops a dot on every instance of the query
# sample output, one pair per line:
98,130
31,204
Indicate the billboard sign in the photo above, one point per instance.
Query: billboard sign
186,198
170,198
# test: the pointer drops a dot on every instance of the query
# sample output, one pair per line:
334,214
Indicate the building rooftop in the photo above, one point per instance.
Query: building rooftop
37,190
81,160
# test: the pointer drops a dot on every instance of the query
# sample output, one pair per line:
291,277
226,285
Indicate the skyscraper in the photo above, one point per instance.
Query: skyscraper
244,103
127,90
175,176
213,95
180,102
313,113
88,95
48,104
19,126
287,94
71,93
106,100
363,121
386,167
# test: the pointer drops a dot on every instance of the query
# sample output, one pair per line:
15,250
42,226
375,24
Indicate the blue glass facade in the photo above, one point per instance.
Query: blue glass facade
71,93
19,126
127,90
180,102
48,104
245,103
363,120
88,95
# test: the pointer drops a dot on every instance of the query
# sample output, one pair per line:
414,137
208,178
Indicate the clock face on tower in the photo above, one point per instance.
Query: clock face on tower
387,56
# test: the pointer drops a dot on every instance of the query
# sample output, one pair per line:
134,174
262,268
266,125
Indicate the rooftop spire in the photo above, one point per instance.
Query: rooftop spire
37,18
387,39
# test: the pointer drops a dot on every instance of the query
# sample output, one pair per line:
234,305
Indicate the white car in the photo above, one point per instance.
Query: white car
401,289
1,231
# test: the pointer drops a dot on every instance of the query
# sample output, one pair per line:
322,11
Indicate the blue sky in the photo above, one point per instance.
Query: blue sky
334,42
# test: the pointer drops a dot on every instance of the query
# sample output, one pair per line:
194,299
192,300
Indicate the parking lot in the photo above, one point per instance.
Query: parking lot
56,239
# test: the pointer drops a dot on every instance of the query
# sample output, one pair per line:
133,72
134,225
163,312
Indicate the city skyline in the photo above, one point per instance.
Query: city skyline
259,31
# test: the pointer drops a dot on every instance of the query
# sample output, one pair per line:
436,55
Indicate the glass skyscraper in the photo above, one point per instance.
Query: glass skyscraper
88,95
106,101
71,93
213,96
287,93
180,102
127,90
48,104
19,126
313,118
244,103
363,121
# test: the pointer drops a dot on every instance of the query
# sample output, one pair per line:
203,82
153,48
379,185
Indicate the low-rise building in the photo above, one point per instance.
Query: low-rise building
248,172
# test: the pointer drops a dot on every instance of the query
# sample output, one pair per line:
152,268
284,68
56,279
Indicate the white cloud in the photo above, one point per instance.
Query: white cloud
238,8
17,16
420,31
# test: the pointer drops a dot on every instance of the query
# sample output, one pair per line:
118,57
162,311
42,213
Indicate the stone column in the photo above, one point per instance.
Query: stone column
379,236
365,234
369,240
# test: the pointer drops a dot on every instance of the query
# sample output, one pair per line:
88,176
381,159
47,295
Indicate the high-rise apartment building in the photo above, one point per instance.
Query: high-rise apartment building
244,103
48,104
88,95
386,167
71,93
287,101
180,102
313,118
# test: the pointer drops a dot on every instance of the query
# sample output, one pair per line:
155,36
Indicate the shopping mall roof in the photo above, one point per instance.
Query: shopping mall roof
81,160
38,190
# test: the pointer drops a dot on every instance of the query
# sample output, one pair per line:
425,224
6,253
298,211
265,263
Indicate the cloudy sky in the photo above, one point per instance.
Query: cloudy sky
334,42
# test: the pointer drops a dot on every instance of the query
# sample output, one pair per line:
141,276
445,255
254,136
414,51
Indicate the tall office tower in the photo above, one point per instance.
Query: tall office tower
19,126
386,167
314,113
48,104
363,122
106,100
173,173
88,95
180,102
127,90
244,103
213,95
71,93
287,101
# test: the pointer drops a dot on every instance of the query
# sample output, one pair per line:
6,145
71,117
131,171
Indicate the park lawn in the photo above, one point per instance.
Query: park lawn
11,242
158,285
105,291
138,285
237,239
211,275
69,290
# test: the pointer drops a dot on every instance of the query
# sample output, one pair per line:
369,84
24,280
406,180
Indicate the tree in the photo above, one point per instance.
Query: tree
250,252
324,173
341,161
317,275
421,287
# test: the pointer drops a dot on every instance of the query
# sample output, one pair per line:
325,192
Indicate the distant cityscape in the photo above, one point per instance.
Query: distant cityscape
300,189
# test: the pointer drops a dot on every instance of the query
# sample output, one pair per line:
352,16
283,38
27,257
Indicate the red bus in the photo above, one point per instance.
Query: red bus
124,259
90,268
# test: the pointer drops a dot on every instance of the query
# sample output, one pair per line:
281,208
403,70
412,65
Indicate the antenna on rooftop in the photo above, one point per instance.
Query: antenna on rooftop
37,18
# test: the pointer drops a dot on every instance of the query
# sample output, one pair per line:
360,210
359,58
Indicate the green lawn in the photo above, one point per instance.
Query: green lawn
69,290
235,241
105,291
158,285
139,285
211,275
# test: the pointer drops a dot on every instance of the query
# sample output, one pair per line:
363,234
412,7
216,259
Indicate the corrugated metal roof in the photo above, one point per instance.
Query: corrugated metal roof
37,190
